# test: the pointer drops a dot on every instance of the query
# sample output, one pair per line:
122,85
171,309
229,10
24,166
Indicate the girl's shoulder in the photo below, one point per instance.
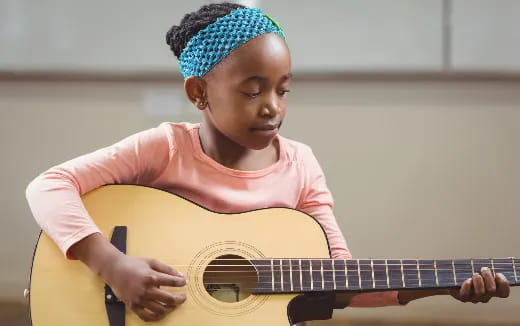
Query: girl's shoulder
297,151
180,129
179,134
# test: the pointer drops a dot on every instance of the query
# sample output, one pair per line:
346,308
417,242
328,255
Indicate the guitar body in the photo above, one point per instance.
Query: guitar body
185,236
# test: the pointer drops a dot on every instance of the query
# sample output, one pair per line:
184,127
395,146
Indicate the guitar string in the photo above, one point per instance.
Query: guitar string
421,266
362,262
382,285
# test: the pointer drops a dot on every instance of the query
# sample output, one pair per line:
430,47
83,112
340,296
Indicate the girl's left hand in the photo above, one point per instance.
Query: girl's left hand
482,287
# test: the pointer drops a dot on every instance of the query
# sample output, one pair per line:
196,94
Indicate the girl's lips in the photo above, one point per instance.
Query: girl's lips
266,132
267,127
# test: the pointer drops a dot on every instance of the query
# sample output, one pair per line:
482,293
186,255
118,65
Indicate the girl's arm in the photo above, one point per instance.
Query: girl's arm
55,201
55,195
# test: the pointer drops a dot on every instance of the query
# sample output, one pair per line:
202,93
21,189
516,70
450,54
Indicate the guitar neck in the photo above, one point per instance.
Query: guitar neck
363,275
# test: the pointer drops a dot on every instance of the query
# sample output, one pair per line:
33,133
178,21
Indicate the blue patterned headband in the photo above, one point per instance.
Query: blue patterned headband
213,43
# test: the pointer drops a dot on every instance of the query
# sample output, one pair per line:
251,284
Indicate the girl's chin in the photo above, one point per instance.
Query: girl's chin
261,144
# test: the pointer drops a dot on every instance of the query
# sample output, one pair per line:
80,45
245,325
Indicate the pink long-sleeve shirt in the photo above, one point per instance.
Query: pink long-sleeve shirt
170,157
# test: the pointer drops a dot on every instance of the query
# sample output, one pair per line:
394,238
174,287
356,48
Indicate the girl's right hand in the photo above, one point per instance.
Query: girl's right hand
136,281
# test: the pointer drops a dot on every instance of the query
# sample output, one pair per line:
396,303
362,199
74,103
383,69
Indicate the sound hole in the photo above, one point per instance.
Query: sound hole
230,278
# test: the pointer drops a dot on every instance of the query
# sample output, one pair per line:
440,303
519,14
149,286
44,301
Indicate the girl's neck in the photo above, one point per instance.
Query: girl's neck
232,155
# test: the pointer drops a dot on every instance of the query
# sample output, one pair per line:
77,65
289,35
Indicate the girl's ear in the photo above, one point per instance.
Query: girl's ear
195,89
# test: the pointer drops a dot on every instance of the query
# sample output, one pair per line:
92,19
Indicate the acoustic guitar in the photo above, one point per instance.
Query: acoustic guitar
264,267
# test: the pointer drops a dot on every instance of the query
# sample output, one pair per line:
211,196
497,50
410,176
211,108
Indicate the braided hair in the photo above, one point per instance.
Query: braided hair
178,36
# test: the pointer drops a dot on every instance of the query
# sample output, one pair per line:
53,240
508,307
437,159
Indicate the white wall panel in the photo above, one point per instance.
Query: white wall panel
486,35
129,35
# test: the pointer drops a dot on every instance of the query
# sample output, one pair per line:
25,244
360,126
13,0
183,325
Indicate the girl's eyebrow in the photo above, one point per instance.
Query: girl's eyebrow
263,78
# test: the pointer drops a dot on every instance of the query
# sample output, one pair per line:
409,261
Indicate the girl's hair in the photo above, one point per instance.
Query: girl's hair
178,36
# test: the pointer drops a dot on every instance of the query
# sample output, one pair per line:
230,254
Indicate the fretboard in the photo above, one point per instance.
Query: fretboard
318,275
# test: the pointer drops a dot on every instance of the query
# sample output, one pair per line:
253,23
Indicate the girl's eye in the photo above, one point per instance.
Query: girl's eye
252,95
283,92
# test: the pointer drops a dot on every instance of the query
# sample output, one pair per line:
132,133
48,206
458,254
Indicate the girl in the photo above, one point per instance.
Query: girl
237,71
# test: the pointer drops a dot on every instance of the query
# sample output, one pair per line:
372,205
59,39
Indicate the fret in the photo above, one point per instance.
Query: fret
418,273
312,275
472,267
298,274
454,274
365,271
372,270
395,276
272,271
353,279
340,280
359,273
411,274
334,275
281,274
286,276
386,271
463,270
402,273
380,275
427,271
445,273
317,279
514,269
435,270
291,275
322,278
296,284
277,280
505,266
493,268
328,274
516,264
306,279
346,275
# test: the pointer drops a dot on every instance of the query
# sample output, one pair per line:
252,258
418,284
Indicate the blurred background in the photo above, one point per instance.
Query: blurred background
411,106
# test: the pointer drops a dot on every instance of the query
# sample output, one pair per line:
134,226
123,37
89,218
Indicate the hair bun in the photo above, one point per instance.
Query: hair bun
174,38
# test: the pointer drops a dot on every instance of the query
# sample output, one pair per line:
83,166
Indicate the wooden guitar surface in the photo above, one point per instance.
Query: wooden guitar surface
179,233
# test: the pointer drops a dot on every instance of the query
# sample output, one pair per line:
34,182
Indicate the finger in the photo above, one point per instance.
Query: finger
157,309
479,288
168,280
465,290
166,298
489,280
485,298
503,287
144,314
160,267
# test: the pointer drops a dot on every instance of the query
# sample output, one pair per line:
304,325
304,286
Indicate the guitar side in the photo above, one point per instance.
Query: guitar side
179,233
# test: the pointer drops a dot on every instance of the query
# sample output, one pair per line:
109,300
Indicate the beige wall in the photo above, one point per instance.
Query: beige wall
418,168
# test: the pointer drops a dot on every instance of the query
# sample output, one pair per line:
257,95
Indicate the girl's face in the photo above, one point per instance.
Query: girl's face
247,91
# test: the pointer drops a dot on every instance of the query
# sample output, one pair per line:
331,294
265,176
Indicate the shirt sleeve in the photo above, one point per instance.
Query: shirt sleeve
317,201
54,196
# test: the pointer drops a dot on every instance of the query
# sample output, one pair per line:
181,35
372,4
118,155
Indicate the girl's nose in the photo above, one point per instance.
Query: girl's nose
271,107
269,111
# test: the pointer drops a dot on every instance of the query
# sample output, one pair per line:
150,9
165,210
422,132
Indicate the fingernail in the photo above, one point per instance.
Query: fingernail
181,274
484,270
